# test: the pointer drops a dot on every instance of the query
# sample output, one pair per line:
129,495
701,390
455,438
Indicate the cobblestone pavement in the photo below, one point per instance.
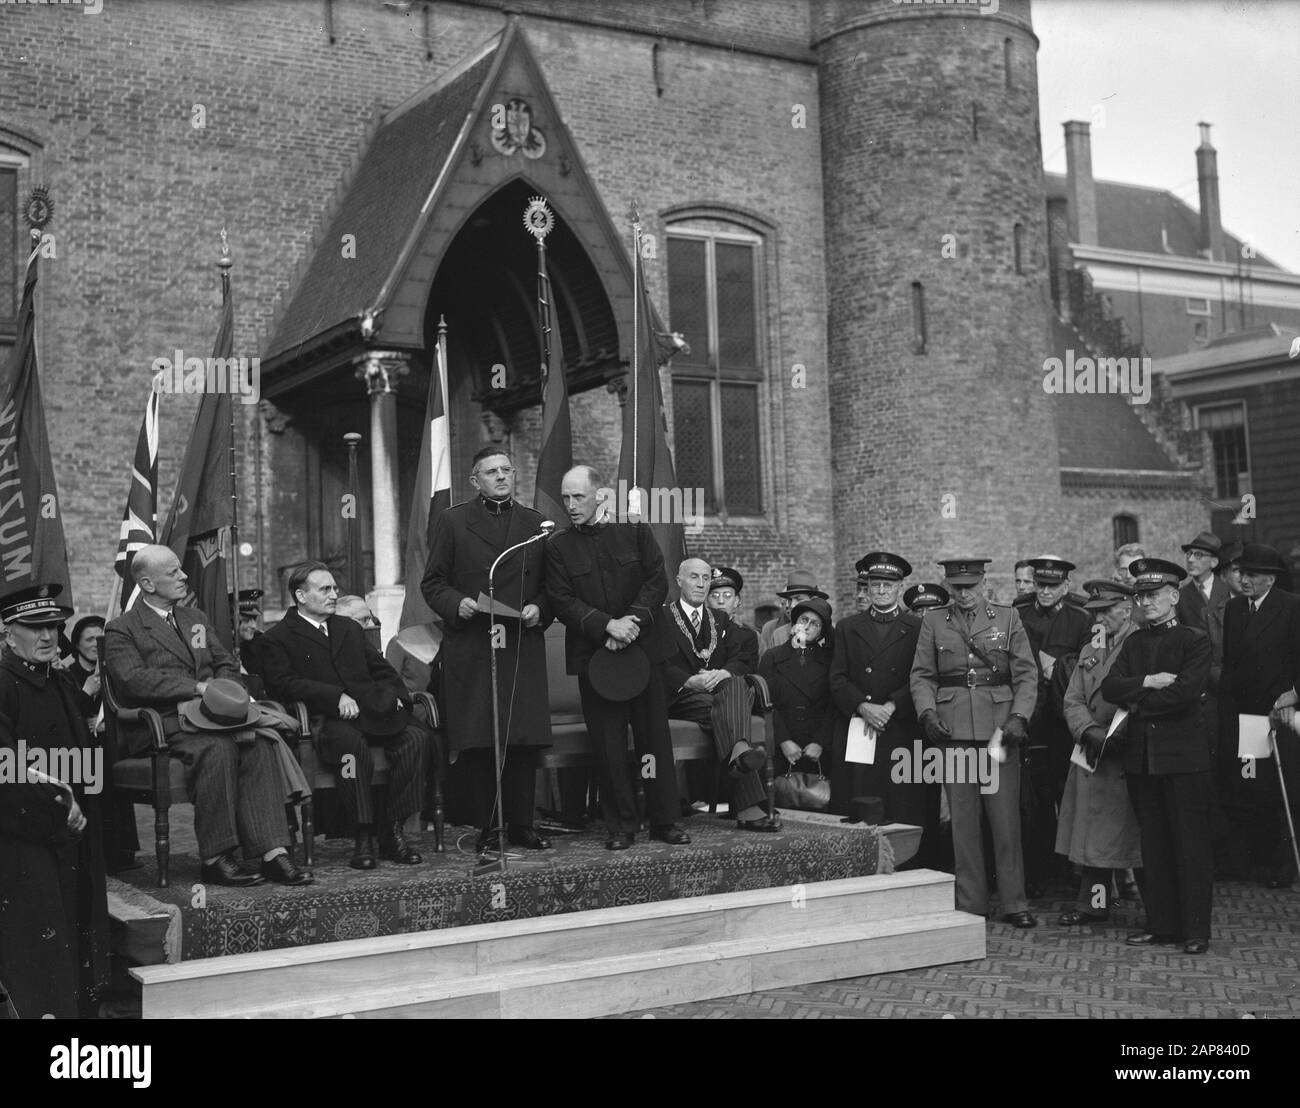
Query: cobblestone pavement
1253,966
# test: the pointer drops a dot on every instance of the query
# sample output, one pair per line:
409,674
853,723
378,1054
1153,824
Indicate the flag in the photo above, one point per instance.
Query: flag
140,519
419,630
32,547
556,455
645,461
198,524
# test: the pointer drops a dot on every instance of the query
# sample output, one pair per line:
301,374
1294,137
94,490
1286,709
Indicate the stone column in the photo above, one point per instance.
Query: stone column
381,370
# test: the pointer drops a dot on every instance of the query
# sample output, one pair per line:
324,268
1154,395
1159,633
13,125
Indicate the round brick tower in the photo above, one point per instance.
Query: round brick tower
936,247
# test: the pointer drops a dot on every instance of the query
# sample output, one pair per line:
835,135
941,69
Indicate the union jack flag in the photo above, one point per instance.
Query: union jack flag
140,519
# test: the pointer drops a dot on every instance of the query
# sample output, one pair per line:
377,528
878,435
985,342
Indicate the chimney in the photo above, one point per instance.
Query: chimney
1207,177
1081,210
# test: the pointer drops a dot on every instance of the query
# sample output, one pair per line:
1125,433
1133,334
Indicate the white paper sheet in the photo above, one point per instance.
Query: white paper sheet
1078,758
861,746
1118,718
1253,739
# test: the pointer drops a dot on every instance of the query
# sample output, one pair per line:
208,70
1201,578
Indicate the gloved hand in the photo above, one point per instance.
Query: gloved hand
935,729
813,751
1094,738
1014,730
791,751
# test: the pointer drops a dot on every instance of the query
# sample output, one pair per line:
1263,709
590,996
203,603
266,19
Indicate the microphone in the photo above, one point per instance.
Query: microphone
548,527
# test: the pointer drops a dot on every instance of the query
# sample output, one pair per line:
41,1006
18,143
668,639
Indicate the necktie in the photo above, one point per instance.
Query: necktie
695,620
171,622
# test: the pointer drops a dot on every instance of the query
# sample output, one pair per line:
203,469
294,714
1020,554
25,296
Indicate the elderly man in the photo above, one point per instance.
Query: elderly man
973,677
606,583
1160,677
705,671
53,910
1098,830
356,700
467,539
800,585
1261,665
160,653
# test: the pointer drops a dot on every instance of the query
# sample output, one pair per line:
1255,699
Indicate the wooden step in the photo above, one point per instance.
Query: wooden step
503,968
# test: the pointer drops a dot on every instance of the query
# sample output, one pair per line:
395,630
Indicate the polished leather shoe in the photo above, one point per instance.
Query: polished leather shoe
620,841
282,871
528,837
673,836
767,823
1150,938
749,761
363,853
225,871
1195,946
1075,918
1020,920
394,848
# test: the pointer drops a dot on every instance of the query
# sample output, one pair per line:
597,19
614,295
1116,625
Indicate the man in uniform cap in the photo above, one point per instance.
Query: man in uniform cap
800,585
1261,666
54,925
926,595
1160,677
1058,628
870,674
250,640
973,675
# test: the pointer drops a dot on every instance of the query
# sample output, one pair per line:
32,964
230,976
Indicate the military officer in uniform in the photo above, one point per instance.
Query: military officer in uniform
1160,676
972,676
870,677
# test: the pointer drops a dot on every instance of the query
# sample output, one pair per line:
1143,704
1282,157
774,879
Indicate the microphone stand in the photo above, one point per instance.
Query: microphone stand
499,866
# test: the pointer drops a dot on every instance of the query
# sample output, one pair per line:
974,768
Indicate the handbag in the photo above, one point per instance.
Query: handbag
809,792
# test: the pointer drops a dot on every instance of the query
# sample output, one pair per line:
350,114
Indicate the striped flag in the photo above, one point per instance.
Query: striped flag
419,630
202,511
556,455
140,519
32,546
645,462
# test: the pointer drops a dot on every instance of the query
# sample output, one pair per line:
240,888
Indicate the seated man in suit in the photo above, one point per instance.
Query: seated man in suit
705,675
161,653
355,698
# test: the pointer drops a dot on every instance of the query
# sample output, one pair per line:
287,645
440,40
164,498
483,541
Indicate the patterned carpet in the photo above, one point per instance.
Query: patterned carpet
577,874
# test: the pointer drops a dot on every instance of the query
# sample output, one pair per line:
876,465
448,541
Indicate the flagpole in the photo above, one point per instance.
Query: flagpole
632,496
440,355
223,264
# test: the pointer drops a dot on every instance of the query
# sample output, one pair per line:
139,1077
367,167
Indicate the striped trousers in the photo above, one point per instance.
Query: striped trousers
338,740
726,713
236,790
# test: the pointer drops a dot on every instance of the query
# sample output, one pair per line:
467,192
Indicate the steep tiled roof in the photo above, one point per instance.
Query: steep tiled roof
380,207
1131,217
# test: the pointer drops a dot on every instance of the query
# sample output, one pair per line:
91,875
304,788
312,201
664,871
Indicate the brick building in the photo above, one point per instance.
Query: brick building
851,226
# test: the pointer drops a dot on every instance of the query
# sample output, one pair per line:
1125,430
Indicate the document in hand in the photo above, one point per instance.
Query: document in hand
497,609
861,746
1253,737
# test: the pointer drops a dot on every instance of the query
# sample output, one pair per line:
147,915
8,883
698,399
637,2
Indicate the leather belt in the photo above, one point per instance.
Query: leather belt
970,679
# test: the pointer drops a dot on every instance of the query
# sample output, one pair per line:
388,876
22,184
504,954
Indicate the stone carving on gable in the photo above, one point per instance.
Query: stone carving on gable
513,131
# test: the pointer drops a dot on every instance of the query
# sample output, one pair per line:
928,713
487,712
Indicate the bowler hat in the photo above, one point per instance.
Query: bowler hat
801,581
224,706
619,674
1256,557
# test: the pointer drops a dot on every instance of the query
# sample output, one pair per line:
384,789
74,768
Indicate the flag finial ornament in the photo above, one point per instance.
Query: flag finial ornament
39,209
224,261
538,218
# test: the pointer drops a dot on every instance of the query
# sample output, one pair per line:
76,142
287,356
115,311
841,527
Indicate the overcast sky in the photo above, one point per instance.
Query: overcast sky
1157,68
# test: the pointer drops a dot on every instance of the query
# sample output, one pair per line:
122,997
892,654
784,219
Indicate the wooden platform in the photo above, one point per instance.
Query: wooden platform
589,963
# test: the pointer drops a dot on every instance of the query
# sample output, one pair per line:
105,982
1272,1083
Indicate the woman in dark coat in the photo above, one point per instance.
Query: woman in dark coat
798,675
53,910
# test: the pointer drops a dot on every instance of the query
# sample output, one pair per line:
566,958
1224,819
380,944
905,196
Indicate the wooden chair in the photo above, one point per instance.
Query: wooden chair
158,779
321,776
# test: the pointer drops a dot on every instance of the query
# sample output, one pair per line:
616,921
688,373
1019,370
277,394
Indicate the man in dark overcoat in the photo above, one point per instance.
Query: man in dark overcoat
466,540
356,700
54,940
1261,666
870,677
1160,676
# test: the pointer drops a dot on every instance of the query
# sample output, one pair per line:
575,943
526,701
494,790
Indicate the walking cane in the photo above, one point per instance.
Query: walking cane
1286,801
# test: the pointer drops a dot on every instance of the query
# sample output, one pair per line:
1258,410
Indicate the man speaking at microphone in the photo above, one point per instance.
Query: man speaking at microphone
467,539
